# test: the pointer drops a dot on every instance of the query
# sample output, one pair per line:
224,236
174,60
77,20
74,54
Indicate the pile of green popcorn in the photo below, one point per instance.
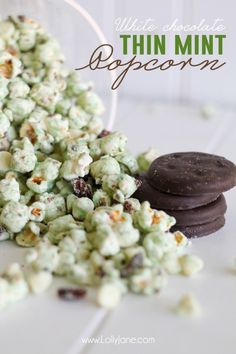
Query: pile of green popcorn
66,184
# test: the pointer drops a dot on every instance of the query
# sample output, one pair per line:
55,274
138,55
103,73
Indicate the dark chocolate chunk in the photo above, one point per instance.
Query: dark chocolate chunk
81,188
104,133
71,294
134,263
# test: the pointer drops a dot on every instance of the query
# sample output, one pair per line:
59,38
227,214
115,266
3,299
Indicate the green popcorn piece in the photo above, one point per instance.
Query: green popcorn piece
91,103
38,185
76,167
78,118
3,87
23,144
63,106
57,126
37,211
127,235
119,186
38,115
108,295
22,23
112,144
188,305
60,227
5,162
157,244
170,263
18,88
67,244
78,235
39,282
80,208
4,124
45,257
105,240
131,205
83,252
21,179
81,273
23,156
94,126
149,220
64,187
26,198
10,66
103,215
65,262
190,264
57,76
75,86
147,281
71,198
45,95
48,170
17,285
97,260
105,166
14,216
146,158
101,198
9,191
136,255
29,236
72,147
49,52
4,145
30,61
181,240
11,134
95,149
7,30
20,108
96,217
33,76
27,39
54,206
128,163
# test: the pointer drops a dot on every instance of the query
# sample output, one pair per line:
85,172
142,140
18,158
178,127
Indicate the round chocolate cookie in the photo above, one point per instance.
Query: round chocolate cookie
192,173
161,200
201,230
201,215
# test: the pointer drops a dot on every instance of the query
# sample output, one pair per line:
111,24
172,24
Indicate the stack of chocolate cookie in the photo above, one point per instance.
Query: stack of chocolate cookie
189,186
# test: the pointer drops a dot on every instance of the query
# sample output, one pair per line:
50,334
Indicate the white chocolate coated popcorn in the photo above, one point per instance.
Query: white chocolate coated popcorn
188,305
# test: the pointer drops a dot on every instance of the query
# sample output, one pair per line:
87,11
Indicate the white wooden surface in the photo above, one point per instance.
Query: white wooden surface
46,325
